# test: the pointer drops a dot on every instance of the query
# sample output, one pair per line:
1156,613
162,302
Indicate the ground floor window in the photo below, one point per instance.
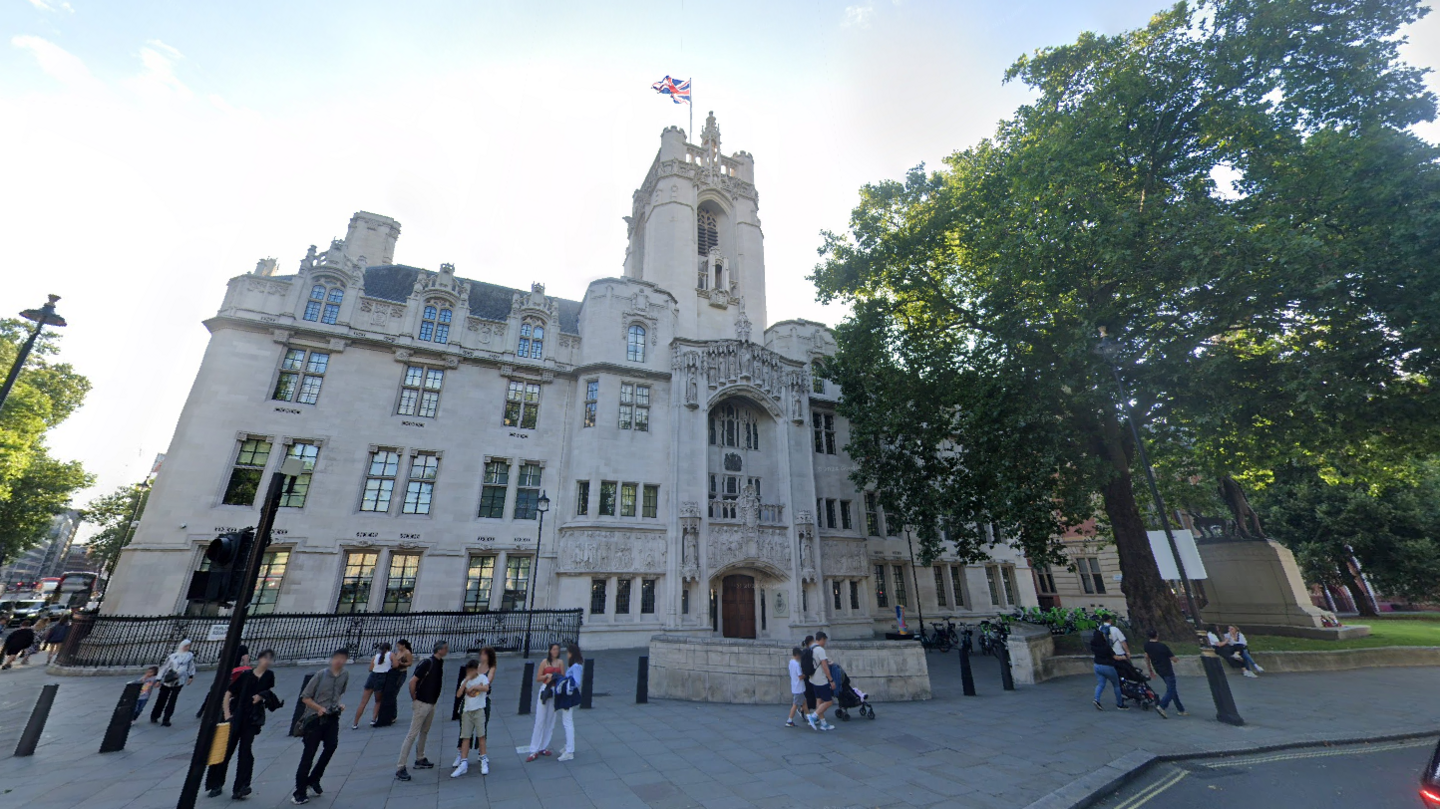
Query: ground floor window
881,599
957,587
479,581
597,596
940,586
517,583
267,586
400,582
1090,576
647,596
355,584
1044,580
900,585
622,597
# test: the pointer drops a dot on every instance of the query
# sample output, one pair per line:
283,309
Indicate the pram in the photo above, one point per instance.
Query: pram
848,697
1135,686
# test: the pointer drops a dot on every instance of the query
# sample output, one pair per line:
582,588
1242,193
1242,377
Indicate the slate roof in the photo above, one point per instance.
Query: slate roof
394,282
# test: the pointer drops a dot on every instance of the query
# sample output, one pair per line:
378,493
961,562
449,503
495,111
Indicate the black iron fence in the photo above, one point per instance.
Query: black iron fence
134,640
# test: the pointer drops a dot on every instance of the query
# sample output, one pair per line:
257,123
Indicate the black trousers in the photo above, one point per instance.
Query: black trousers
809,696
394,678
326,733
165,703
241,738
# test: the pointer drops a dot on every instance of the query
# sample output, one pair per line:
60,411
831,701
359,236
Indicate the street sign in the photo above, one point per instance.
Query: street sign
217,632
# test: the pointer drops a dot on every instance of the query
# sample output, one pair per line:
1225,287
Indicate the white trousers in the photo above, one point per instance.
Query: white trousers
544,725
567,716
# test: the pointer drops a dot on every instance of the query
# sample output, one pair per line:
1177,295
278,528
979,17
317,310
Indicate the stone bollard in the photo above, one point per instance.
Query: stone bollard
587,683
299,707
642,681
36,725
527,687
119,730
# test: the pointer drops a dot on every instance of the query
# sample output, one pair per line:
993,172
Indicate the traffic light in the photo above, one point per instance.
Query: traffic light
229,557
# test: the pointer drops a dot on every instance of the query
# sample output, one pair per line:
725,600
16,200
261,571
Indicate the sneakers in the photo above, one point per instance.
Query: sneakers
1182,713
531,757
241,795
810,717
1259,668
354,725
1098,706
1161,711
1252,675
789,723
314,787
826,726
566,757
484,765
458,759
423,764
215,793
299,800
402,774
461,770
1122,707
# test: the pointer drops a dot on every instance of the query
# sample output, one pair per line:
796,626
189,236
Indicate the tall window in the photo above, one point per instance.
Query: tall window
267,586
991,581
324,303
881,600
956,586
634,407
532,339
817,379
1090,577
707,235
400,582
492,495
597,596
899,585
420,391
355,586
854,595
517,583
301,374
872,515
647,596
845,521
627,500
380,480
307,453
940,586
582,498
245,475
829,513
635,343
835,593
421,488
607,498
1044,580
435,324
649,505
592,401
622,596
527,493
522,404
1007,578
732,426
478,581
823,426
893,524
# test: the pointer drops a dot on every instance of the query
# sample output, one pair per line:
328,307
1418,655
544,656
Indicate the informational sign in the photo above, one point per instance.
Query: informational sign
1165,559
217,632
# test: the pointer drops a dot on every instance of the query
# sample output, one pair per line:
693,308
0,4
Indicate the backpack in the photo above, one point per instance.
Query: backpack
807,662
1100,642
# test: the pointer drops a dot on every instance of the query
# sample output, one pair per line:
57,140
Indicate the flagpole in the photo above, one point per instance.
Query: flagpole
692,112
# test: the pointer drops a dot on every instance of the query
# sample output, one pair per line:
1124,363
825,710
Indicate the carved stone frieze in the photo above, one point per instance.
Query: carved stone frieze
601,551
724,363
268,287
843,557
728,545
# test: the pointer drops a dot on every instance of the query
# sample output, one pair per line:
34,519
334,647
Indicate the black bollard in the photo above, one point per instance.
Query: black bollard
527,687
967,679
119,729
299,706
36,725
1225,710
587,682
1007,679
642,681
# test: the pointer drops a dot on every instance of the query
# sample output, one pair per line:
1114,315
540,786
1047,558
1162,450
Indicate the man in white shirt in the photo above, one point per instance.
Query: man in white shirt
824,684
1118,644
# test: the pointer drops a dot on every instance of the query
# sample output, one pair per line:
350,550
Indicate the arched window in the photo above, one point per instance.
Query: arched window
435,324
532,340
324,303
732,426
707,235
635,343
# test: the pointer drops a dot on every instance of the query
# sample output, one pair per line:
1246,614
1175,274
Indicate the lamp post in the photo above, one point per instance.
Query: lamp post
1225,710
541,506
44,316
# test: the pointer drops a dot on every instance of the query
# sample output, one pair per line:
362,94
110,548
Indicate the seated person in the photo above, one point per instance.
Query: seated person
1232,646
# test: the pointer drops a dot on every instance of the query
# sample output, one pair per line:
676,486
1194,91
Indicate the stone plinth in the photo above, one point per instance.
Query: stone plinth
1256,585
756,671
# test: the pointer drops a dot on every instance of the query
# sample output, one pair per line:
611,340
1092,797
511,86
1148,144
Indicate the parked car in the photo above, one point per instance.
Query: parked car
28,610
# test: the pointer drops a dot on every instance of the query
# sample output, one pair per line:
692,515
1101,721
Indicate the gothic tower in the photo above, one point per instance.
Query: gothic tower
694,232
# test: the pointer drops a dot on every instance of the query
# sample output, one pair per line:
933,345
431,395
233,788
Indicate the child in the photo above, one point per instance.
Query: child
152,676
472,715
797,688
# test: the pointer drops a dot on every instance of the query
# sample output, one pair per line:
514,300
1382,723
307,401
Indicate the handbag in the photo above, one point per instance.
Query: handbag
171,678
218,743
305,724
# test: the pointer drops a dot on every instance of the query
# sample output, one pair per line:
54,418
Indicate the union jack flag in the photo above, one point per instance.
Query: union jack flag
679,91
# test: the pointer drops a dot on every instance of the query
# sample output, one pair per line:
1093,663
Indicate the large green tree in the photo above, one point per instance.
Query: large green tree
1264,316
42,491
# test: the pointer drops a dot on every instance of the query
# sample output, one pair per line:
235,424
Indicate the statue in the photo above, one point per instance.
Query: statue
692,392
308,262
1247,522
749,507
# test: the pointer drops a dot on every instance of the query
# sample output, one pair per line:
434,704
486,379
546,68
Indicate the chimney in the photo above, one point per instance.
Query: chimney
372,236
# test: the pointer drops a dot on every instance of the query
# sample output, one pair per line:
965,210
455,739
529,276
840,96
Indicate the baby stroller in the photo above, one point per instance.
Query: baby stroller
1135,686
848,697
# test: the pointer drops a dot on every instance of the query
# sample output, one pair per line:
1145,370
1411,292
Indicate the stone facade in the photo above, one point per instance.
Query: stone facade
694,466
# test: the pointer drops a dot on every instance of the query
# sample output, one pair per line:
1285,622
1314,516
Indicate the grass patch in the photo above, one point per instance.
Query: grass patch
1400,630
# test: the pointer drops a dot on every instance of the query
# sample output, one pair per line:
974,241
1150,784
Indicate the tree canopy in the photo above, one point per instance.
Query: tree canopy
112,513
1232,194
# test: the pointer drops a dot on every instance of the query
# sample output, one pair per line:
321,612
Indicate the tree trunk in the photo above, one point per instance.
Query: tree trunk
1152,605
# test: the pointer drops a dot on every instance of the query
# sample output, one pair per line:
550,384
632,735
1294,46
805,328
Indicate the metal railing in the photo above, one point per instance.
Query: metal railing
135,640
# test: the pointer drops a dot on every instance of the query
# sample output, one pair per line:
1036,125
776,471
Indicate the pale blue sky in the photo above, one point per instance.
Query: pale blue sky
154,150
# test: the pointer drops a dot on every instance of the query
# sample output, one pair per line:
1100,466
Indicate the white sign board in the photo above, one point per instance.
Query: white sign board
1189,554
217,632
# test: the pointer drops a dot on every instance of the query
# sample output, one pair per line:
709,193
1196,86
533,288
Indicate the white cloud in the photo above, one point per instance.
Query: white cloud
57,62
158,82
47,5
858,16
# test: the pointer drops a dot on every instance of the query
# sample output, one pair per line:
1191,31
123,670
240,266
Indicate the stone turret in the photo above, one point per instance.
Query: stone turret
373,237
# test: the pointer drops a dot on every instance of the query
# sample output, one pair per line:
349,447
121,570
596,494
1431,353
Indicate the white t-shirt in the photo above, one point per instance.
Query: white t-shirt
822,663
1214,641
1239,639
1117,640
382,662
797,683
476,703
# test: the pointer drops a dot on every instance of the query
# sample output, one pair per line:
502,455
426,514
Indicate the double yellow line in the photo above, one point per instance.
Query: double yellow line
1149,793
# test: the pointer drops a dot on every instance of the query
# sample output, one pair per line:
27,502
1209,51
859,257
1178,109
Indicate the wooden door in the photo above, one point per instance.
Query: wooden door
737,604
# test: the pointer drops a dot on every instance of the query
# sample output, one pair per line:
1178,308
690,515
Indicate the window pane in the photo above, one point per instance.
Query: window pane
377,495
319,361
429,404
900,585
845,515
336,295
317,292
413,375
854,595
312,310
627,393
492,502
497,472
590,414
647,596
445,315
400,583
627,500
517,583
652,499
424,467
582,498
955,586
285,387
478,581
409,402
355,586
427,330
940,586
297,490
434,378
835,593
310,390
642,419
607,498
417,497
332,313
442,334
384,463
597,596
429,313
294,360
530,474
240,491
880,598
267,584
625,416
525,502
529,417
622,597
592,390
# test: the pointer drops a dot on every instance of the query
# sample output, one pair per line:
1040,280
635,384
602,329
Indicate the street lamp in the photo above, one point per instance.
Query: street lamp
44,316
542,505
1225,709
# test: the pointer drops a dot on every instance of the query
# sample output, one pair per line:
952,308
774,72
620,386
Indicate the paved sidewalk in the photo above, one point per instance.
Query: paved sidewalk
1000,749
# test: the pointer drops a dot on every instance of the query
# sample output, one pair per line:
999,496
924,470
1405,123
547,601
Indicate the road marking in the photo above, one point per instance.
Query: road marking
1153,791
1346,750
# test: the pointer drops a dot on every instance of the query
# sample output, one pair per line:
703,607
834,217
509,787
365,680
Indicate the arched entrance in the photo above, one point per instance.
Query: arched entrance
737,606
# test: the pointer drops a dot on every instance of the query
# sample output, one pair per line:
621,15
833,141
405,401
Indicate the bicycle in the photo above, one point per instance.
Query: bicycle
989,638
934,641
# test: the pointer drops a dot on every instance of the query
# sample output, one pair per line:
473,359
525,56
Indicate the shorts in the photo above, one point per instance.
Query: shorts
823,693
798,700
472,724
376,681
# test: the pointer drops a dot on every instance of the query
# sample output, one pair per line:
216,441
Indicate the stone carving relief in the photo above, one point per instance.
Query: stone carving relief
485,331
805,530
844,557
611,552
723,363
734,544
690,541
268,287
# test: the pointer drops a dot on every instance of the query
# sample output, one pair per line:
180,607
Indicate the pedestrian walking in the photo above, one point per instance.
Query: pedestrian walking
380,665
147,684
400,661
240,668
488,667
567,697
319,725
1160,661
55,637
41,627
244,705
797,688
1232,645
807,667
177,672
474,690
552,668
1103,646
17,642
823,682
425,686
